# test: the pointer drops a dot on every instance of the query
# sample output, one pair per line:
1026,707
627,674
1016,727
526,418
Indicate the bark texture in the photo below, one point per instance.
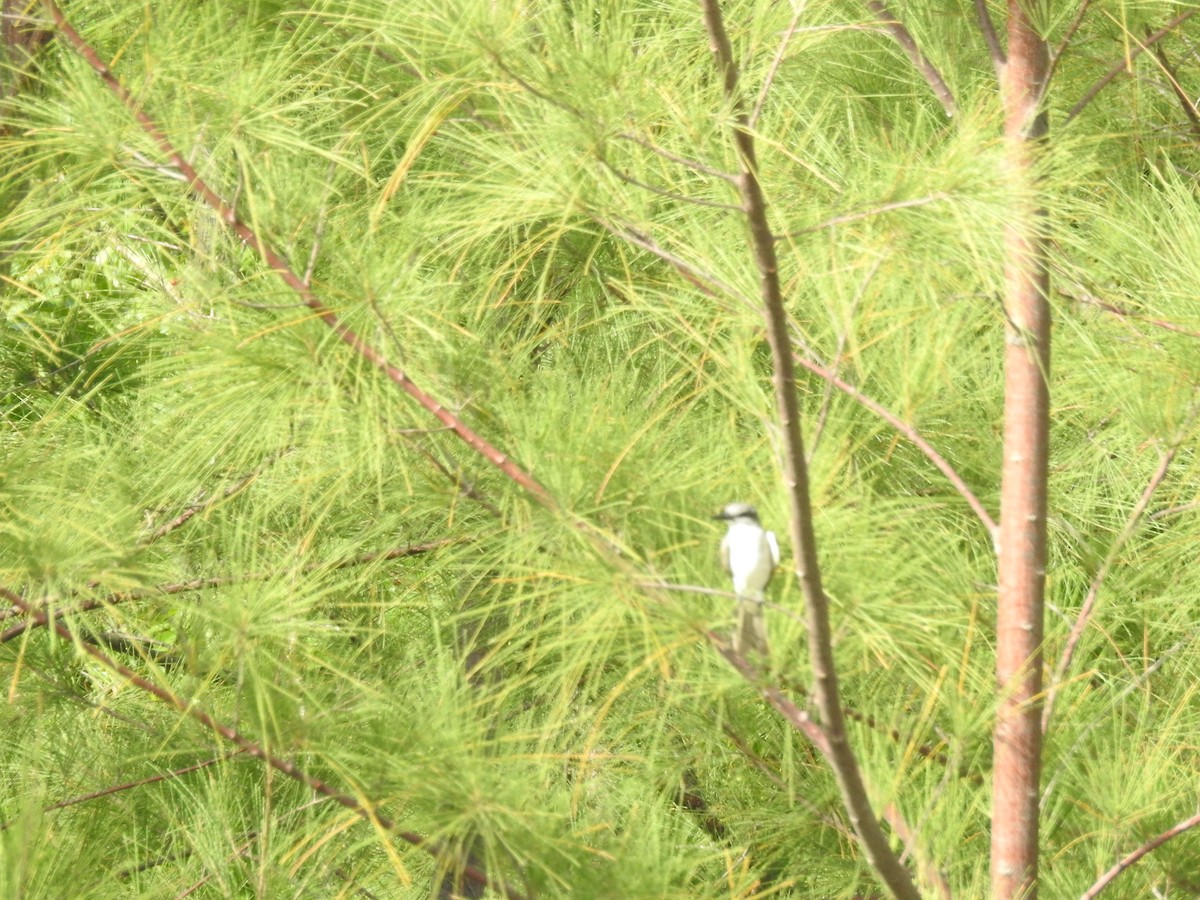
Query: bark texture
1022,544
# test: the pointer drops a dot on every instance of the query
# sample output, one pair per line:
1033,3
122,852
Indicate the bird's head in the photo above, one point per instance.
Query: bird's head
738,512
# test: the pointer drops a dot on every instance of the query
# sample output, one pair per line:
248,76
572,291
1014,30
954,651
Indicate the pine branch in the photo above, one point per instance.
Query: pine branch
42,616
128,785
920,61
1125,61
1089,602
989,37
228,215
1153,844
364,809
762,243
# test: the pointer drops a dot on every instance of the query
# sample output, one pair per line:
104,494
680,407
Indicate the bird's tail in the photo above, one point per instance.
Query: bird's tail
750,633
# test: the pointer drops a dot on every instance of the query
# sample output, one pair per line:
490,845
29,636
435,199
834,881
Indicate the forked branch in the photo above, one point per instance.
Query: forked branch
826,693
1126,61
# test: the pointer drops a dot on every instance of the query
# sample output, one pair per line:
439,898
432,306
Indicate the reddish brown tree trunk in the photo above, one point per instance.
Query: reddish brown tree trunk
1022,543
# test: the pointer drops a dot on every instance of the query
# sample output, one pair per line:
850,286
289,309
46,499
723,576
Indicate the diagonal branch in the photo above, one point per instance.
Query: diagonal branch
40,616
1068,35
711,286
362,808
1153,844
784,705
1189,107
1125,61
283,269
826,691
752,122
910,432
1089,602
127,786
908,44
999,60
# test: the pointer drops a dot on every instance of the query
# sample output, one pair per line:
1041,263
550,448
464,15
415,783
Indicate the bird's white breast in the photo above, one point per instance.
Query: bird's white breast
751,556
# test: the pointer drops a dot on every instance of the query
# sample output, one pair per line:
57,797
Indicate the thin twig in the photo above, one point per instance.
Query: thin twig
200,504
704,282
1091,300
784,705
1189,108
681,160
1089,602
464,487
1125,61
1069,755
1056,55
752,122
1173,511
319,230
41,616
920,61
866,214
671,195
843,335
909,432
930,872
129,785
710,285
1153,844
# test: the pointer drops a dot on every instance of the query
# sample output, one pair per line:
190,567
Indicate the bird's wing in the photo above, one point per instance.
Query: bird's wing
774,545
725,553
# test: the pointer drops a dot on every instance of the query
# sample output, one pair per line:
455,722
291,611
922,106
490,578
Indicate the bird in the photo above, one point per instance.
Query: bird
749,554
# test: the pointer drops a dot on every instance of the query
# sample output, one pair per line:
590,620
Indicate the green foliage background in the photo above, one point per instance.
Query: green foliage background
460,175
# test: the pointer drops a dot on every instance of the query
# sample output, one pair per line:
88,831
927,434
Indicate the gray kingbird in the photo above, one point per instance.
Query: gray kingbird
750,555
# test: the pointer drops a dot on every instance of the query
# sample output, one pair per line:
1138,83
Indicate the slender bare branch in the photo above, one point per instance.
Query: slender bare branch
1068,35
838,353
710,285
1153,844
319,229
661,192
1070,755
360,807
844,218
283,269
995,51
783,704
904,38
913,435
930,872
1089,602
1125,61
1189,107
752,122
1086,297
42,616
1173,511
201,504
825,681
129,785
681,160
704,282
